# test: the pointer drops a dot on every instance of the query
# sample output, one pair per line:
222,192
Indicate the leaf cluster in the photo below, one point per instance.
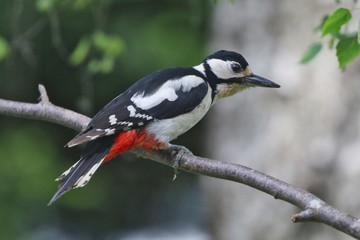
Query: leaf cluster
347,44
98,51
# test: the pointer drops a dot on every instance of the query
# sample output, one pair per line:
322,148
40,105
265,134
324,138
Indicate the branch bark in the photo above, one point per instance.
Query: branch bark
313,209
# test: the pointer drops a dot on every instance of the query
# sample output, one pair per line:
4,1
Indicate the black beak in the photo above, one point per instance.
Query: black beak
258,81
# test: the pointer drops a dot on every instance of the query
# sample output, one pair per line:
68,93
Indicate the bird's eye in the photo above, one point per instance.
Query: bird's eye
236,67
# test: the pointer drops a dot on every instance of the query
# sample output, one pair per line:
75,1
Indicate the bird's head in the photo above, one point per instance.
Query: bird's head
228,73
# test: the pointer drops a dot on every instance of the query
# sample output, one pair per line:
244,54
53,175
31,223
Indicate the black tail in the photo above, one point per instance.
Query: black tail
81,172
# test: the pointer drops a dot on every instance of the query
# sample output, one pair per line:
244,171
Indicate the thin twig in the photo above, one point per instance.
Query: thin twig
44,98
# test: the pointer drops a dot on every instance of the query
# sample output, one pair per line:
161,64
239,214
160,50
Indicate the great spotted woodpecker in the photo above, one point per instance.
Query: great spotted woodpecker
155,110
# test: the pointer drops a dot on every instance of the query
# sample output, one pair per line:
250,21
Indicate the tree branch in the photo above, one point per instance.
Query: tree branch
45,111
313,208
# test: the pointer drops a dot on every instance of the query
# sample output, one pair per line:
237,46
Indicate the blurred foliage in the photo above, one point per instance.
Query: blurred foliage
86,52
24,174
108,46
4,49
347,43
47,6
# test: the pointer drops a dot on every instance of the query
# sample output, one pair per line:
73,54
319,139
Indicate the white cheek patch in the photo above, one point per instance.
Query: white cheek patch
166,92
222,69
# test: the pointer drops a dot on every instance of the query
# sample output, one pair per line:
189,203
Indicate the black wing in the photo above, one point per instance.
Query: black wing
123,114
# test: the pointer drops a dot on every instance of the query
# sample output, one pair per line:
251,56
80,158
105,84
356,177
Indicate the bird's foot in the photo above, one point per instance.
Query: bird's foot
178,153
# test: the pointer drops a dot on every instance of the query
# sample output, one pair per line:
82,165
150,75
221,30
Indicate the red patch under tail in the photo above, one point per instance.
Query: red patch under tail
128,140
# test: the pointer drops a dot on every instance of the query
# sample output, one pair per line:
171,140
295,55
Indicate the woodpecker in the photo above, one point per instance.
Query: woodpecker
155,110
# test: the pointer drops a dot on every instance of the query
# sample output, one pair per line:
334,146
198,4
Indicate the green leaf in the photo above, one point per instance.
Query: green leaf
104,65
347,50
100,40
311,52
4,48
94,66
334,22
81,51
321,25
114,47
107,65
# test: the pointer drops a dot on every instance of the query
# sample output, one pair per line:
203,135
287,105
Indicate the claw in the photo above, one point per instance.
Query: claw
178,153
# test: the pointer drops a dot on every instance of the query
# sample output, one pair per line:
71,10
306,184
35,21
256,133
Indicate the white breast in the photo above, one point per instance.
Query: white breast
168,129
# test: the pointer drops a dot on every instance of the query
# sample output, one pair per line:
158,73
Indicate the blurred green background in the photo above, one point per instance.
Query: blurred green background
86,52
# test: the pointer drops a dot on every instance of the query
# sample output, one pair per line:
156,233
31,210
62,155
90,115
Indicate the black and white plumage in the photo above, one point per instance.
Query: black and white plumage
157,109
161,95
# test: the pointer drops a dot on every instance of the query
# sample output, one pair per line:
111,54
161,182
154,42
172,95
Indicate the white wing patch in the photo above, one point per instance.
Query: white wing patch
110,131
166,92
129,124
112,119
132,111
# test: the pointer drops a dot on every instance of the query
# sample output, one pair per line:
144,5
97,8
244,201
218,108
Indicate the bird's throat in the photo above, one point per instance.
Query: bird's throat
227,90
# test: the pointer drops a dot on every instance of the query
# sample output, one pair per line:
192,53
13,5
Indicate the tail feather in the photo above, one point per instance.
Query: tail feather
87,136
82,171
77,176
